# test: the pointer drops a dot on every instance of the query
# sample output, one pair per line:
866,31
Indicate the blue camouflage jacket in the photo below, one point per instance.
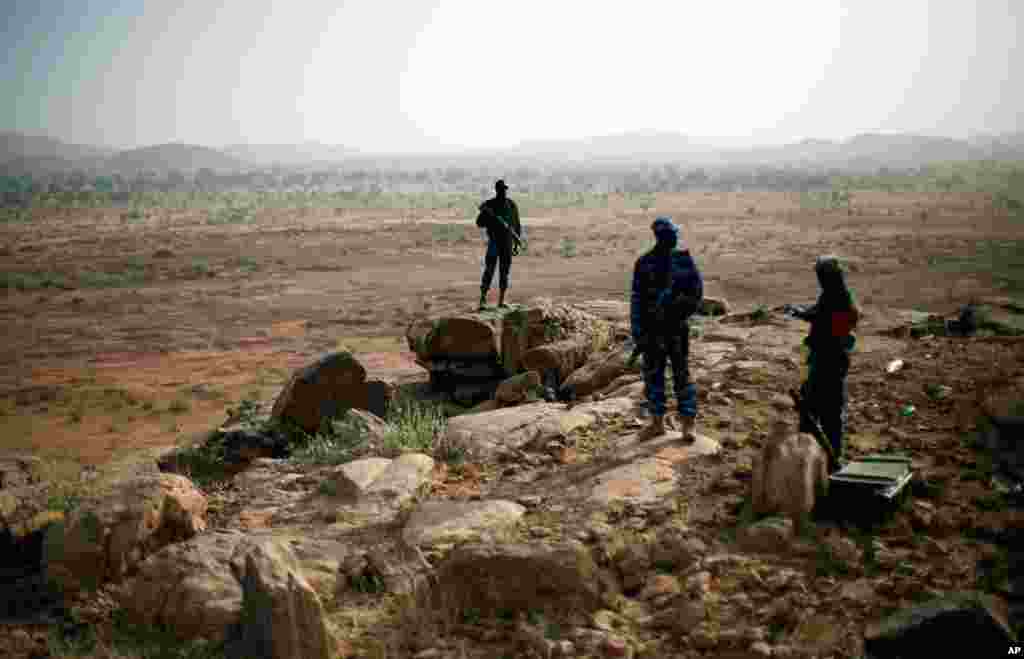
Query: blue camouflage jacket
667,290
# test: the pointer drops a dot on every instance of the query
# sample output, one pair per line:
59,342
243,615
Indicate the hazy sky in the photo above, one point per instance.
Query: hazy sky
419,74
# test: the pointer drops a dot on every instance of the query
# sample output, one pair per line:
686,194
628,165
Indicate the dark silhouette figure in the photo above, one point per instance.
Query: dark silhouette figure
500,216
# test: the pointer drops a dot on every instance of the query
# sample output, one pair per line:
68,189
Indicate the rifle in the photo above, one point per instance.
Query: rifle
516,240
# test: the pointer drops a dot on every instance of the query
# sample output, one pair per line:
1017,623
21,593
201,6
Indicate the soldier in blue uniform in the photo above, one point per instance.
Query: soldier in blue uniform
500,216
667,290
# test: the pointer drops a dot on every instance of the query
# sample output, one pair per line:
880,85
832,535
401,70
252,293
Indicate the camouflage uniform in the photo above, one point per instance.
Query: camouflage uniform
830,342
667,289
500,246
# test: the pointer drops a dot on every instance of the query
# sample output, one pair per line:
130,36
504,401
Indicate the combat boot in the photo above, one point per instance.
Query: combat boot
656,428
689,428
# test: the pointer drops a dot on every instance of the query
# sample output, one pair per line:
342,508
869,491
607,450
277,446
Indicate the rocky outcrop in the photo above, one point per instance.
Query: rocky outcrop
105,539
790,474
543,323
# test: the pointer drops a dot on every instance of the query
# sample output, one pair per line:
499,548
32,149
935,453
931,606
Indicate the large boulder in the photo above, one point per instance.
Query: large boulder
790,474
504,431
195,588
282,617
104,539
518,577
542,323
189,588
473,337
598,373
333,384
932,628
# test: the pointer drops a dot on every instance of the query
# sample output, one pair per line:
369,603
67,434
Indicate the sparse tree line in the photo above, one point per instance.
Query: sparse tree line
379,185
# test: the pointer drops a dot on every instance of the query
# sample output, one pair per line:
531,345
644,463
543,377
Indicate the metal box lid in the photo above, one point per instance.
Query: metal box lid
884,474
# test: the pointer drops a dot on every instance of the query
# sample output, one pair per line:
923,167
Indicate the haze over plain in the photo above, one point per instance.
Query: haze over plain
404,77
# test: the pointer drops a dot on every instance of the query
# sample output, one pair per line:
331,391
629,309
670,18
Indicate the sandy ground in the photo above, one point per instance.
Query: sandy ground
88,373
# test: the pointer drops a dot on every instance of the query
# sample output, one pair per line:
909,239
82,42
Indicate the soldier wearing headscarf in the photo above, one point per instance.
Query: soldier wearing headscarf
667,289
833,319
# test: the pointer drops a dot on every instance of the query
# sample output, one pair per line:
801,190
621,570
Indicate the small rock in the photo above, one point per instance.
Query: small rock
430,653
616,647
699,583
605,620
529,501
760,649
771,535
703,639
660,585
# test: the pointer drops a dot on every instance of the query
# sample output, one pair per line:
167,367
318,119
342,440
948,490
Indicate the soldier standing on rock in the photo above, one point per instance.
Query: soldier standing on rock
500,216
667,290
833,318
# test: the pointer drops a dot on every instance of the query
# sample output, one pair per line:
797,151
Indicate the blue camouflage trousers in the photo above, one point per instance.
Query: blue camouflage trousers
499,254
674,349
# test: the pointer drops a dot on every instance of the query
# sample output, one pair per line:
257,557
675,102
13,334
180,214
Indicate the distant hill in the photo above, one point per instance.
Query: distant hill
166,157
869,150
29,148
308,153
623,146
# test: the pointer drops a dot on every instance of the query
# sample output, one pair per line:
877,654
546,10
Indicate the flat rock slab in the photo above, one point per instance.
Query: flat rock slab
648,479
489,434
439,521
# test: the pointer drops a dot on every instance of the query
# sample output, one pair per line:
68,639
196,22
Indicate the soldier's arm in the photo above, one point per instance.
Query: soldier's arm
483,218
